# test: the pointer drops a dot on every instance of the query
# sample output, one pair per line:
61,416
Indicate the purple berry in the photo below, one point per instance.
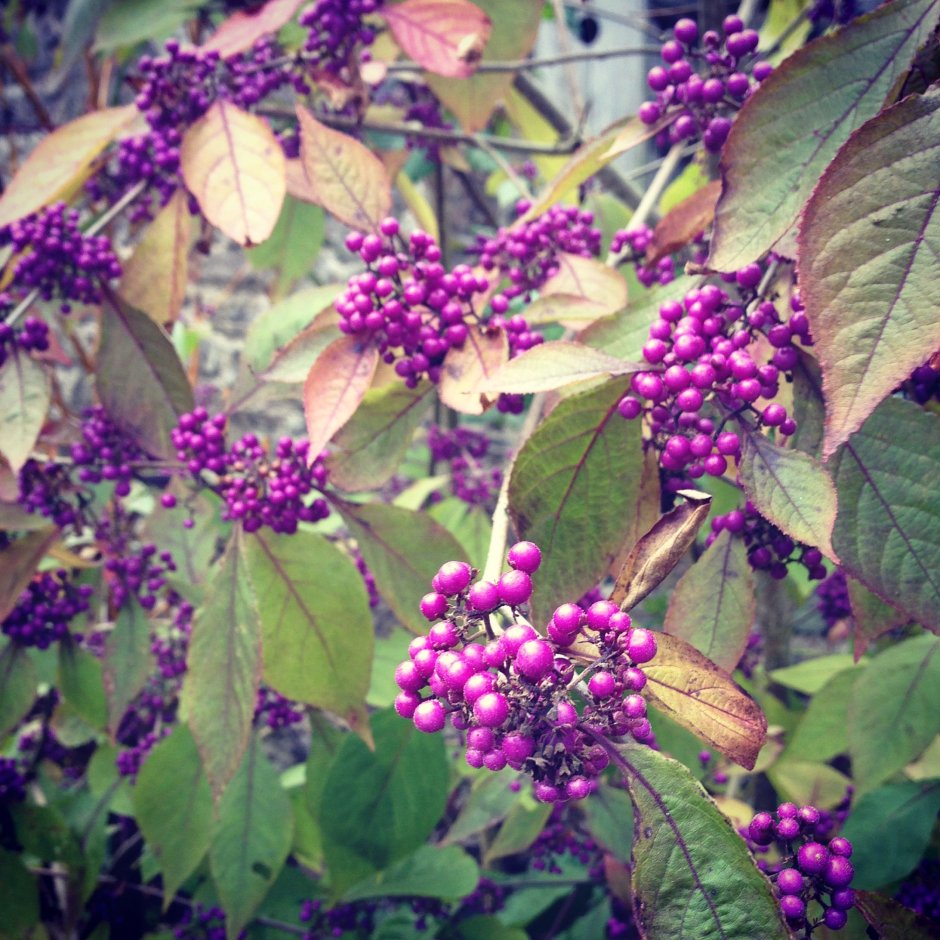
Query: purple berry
525,556
483,596
838,872
835,919
515,588
453,577
602,684
789,881
491,710
534,659
793,907
641,646
812,858
840,846
429,716
433,605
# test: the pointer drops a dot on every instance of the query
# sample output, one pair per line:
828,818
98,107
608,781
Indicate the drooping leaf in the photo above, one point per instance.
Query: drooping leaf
473,100
127,662
889,828
81,684
586,284
555,364
245,27
871,615
432,871
294,244
573,490
368,450
823,730
335,385
292,362
446,37
24,401
812,674
791,128
140,380
809,410
315,621
391,798
808,782
224,668
869,268
489,802
251,840
894,711
176,820
343,175
521,828
468,369
683,849
714,605
609,820
129,22
403,549
681,224
659,550
893,920
234,166
60,162
156,274
18,680
887,533
704,699
19,895
18,563
791,489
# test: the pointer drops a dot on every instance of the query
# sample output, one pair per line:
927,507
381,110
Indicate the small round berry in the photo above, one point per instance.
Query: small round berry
793,907
525,556
840,846
835,919
517,747
491,710
535,659
634,706
774,415
633,679
565,713
843,899
453,577
838,872
429,716
515,636
602,684
619,622
761,829
494,760
406,703
568,618
545,792
407,677
787,811
474,757
481,738
629,408
599,614
433,605
483,596
812,858
787,829
809,816
789,881
515,587
167,500
728,443
478,684
686,31
641,646
443,635
577,788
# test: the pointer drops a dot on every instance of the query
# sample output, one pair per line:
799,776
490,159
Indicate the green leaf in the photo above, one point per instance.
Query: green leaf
519,830
403,550
18,681
713,606
889,829
490,801
486,927
683,850
872,616
446,872
894,712
19,896
25,395
81,684
19,561
315,620
823,731
809,410
892,920
573,491
294,244
140,379
868,260
809,782
368,450
793,125
379,806
810,676
472,526
251,839
224,668
887,533
609,819
791,489
173,807
127,661
129,22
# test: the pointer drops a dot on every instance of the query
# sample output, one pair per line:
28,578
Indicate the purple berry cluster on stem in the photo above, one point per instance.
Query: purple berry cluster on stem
44,610
512,693
465,450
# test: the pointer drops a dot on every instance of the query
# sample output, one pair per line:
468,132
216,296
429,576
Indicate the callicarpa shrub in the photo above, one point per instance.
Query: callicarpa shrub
428,512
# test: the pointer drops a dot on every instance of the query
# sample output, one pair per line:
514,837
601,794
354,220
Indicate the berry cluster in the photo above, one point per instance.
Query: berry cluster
832,598
139,573
203,923
632,244
513,695
526,253
57,259
920,891
44,610
709,373
336,32
808,871
924,384
339,920
407,301
367,577
464,450
12,781
562,836
105,452
32,335
276,711
702,103
47,489
258,490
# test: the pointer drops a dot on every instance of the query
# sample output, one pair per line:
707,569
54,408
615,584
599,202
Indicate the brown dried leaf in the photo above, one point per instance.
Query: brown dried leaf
680,225
467,370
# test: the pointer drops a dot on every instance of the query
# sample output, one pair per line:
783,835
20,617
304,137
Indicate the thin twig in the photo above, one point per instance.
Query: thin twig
11,59
571,75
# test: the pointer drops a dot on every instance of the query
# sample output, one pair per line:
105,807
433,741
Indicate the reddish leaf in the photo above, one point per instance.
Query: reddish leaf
555,364
335,386
660,550
60,161
161,258
342,175
681,224
244,28
892,920
694,692
631,135
589,283
468,370
446,37
234,166
18,564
